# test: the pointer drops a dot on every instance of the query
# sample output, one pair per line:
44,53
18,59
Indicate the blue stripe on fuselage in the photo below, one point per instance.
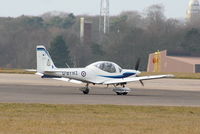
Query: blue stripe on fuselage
124,75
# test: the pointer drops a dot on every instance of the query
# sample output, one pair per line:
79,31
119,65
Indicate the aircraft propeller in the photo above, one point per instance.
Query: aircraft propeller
141,82
137,65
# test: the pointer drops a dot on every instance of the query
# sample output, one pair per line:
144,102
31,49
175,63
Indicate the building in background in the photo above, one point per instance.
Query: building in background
193,11
85,31
163,62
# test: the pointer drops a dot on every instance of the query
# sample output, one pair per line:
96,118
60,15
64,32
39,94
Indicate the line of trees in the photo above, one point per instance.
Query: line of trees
132,35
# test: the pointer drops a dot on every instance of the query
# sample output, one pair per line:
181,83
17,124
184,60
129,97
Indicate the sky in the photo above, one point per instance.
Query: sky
14,8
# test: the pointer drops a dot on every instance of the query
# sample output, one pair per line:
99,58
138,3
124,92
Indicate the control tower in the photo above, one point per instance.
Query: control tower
104,18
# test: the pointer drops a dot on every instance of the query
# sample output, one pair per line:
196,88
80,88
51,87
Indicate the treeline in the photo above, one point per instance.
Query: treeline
132,35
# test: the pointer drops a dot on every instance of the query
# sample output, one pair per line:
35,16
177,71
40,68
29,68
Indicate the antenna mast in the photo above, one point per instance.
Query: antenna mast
104,18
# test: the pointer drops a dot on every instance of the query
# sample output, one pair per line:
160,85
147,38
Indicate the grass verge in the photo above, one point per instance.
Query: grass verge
97,119
16,71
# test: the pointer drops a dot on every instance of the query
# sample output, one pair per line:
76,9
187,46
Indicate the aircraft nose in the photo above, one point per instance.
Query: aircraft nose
138,72
127,74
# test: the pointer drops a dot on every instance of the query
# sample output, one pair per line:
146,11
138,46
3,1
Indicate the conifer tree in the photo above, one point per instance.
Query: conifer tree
59,52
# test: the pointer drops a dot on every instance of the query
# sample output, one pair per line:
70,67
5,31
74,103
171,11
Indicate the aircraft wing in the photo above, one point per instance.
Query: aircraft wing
133,79
62,79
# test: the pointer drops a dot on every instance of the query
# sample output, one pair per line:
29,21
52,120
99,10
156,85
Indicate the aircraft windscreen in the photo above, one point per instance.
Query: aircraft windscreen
107,67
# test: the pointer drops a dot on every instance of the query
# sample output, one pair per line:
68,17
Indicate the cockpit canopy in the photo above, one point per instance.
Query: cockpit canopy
109,67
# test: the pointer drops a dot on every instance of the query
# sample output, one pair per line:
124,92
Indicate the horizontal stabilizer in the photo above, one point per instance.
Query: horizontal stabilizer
60,78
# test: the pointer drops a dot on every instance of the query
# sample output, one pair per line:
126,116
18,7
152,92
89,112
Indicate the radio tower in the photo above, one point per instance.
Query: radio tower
193,12
104,18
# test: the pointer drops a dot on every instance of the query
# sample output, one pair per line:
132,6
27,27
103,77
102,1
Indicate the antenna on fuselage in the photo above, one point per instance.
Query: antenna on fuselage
67,65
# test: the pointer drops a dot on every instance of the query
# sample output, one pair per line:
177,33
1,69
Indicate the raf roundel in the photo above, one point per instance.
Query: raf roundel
83,73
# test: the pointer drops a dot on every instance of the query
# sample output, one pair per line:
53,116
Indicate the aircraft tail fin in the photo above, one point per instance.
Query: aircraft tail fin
44,61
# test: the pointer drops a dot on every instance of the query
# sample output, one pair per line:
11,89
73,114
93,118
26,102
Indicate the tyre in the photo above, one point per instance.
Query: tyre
119,93
125,93
86,91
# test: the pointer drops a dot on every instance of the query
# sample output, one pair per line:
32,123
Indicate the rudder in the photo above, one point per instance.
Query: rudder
44,61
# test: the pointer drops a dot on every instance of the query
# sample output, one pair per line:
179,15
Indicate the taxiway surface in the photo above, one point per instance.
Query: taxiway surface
23,88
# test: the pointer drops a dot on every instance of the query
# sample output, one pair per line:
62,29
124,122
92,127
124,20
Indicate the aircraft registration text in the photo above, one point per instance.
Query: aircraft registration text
74,73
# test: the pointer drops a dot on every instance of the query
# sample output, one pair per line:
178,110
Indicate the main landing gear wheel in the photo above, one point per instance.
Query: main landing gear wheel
122,93
125,93
86,91
121,90
119,93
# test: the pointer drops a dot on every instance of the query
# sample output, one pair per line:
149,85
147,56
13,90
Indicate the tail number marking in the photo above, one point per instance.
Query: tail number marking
74,73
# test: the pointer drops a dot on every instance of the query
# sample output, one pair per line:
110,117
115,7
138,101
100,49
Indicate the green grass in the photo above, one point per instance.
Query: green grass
97,119
16,71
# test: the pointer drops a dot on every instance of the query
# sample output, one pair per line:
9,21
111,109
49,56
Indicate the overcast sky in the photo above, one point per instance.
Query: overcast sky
14,8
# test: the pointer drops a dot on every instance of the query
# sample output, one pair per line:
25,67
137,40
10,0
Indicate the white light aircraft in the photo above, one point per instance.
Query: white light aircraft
102,72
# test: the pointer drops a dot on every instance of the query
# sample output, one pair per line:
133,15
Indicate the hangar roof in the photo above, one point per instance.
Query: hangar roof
190,60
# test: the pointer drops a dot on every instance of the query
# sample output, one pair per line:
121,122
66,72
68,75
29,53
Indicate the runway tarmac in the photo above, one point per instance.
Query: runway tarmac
23,88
